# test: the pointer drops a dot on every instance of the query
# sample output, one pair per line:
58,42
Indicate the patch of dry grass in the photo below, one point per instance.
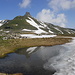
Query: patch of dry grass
11,45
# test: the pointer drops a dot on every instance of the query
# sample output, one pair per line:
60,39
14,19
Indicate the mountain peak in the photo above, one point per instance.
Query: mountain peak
27,14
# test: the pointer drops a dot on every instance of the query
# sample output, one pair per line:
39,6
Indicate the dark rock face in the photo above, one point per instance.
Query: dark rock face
27,14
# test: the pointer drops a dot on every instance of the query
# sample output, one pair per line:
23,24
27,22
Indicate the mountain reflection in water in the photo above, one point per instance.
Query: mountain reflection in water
30,63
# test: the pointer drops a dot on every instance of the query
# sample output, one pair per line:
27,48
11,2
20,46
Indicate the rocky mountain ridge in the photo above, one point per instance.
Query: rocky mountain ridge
29,24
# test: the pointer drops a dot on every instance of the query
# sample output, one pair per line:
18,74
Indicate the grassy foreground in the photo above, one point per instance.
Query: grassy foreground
11,45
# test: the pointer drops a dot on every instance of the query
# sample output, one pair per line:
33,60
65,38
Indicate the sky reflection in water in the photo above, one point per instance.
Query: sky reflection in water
29,64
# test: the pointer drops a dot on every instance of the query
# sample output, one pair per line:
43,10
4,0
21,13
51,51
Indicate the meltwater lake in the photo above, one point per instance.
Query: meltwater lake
31,61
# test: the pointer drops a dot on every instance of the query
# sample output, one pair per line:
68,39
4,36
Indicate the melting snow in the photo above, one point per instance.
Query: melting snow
2,20
39,31
51,31
64,63
59,30
72,31
1,24
43,24
35,31
6,31
36,36
69,32
32,22
26,30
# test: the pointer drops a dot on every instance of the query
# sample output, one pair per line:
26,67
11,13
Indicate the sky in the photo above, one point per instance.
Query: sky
57,12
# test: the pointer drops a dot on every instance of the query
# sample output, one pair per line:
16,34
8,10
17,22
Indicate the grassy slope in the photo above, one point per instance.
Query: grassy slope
21,23
10,45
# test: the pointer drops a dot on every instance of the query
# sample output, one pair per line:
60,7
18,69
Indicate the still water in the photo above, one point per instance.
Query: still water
30,61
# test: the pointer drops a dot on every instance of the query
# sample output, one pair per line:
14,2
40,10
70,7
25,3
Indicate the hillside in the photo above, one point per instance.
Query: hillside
28,24
26,31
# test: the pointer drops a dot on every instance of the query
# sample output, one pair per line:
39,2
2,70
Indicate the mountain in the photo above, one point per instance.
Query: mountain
29,24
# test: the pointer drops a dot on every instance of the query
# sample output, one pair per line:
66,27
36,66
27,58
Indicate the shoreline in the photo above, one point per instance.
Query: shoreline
11,45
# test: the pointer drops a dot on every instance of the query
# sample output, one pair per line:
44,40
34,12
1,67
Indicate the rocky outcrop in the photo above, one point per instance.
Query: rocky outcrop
27,14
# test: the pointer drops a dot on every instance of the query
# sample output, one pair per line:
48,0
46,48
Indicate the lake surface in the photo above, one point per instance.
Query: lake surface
31,61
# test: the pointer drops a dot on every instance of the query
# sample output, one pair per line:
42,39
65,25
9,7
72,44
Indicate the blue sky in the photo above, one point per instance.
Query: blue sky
58,12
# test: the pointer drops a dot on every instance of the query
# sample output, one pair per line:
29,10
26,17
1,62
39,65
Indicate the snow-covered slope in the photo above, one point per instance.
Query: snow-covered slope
29,24
34,24
2,22
46,28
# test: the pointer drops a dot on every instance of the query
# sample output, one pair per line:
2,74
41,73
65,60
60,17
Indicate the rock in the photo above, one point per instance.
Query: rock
27,14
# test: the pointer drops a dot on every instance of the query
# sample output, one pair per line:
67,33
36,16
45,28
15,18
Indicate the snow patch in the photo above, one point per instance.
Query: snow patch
2,20
33,23
36,36
16,25
1,24
39,31
69,32
43,24
6,31
50,31
35,31
58,30
72,31
26,30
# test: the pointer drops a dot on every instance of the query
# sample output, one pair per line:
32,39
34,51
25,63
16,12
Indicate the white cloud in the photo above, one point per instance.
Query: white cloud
48,16
25,3
62,4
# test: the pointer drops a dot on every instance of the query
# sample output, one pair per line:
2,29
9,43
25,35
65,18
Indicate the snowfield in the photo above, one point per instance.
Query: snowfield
1,24
34,24
36,36
64,63
42,25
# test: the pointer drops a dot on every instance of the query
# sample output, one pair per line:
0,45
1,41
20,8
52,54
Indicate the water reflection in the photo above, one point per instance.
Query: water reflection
30,63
